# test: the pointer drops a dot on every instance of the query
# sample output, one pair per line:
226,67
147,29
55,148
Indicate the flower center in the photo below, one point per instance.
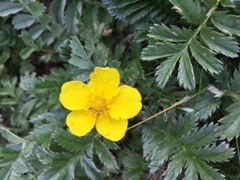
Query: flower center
96,105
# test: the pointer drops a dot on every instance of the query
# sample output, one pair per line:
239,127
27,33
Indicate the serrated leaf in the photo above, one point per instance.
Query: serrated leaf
57,10
7,8
160,51
90,16
235,81
36,31
165,69
206,106
190,10
156,152
4,57
27,147
175,167
210,2
8,36
79,56
5,171
231,122
229,24
137,11
36,9
172,34
205,58
220,43
21,21
105,156
26,52
182,126
12,138
201,137
73,143
214,153
205,171
57,30
70,19
41,135
228,3
63,168
186,75
7,152
89,168
133,166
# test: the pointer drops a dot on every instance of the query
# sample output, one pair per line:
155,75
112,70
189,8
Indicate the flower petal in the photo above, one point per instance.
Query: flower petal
104,82
74,95
80,122
111,129
126,104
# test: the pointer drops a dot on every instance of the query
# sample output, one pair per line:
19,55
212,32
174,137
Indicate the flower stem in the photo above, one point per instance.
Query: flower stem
165,110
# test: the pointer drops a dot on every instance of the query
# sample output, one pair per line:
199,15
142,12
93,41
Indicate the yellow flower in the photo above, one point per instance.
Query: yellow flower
102,103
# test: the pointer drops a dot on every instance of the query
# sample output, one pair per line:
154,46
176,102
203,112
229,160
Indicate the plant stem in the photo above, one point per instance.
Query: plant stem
165,110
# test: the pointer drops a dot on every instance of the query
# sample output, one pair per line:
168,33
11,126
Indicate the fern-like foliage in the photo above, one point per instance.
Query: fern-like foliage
231,122
188,149
184,46
139,11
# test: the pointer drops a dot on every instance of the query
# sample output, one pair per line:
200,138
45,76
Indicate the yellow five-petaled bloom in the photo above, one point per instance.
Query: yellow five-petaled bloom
102,103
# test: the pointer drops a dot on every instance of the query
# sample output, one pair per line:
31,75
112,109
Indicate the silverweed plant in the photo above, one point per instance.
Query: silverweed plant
119,89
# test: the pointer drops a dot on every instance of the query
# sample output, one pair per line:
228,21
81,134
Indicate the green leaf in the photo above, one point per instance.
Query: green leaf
27,147
36,9
8,152
73,143
5,172
160,51
36,31
206,106
190,10
8,36
137,11
186,75
41,135
90,17
172,34
229,24
155,150
199,137
220,43
205,58
210,2
235,81
7,8
21,21
71,19
228,3
4,57
57,10
205,171
105,156
133,166
214,153
26,52
79,56
175,167
12,138
57,30
183,148
231,122
64,166
89,168
165,69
